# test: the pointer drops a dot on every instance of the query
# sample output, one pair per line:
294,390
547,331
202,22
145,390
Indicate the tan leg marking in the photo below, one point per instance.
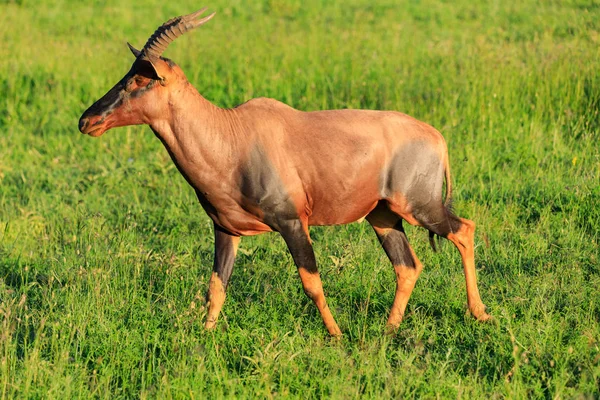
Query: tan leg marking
216,296
464,241
406,278
311,282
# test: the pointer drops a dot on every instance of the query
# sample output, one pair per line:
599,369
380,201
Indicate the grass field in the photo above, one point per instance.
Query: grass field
105,254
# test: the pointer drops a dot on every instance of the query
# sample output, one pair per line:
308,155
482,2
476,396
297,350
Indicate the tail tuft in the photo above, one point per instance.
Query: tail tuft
432,241
447,202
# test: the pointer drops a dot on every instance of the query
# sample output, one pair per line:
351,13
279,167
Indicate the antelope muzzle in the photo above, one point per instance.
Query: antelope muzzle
96,119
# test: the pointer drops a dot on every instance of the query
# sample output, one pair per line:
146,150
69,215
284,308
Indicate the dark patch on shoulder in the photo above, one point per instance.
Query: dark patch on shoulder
261,185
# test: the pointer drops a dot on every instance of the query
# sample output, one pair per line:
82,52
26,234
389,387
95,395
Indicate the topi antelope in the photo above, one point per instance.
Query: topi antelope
264,166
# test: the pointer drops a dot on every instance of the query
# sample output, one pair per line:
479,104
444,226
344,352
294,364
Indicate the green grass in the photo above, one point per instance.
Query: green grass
105,254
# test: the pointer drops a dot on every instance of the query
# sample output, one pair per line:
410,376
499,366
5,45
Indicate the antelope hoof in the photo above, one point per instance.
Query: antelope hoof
391,329
335,333
485,317
209,325
479,313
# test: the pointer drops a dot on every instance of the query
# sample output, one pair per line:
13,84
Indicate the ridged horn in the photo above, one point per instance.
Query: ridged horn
171,30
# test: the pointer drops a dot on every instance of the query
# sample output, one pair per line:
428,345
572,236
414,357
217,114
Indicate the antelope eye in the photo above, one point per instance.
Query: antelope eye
129,85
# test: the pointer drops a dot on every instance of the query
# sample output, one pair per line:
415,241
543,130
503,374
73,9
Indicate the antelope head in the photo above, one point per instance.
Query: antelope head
142,95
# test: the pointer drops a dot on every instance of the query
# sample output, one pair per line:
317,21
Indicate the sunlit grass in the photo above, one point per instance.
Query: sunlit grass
105,254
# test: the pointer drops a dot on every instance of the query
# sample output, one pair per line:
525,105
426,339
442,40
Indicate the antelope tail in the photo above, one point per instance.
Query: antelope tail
447,201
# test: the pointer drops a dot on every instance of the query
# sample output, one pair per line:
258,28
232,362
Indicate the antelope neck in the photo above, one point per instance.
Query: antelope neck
200,137
194,127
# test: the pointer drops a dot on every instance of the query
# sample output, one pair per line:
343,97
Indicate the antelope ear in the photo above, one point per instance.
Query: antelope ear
154,68
135,51
161,68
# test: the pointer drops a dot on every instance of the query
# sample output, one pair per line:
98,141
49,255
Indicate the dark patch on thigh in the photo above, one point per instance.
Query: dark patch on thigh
262,187
416,174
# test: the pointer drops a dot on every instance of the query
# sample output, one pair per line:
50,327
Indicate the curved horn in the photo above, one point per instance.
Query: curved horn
135,51
171,30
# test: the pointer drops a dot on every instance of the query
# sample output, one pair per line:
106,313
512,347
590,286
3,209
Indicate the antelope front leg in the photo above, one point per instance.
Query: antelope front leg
295,234
225,250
